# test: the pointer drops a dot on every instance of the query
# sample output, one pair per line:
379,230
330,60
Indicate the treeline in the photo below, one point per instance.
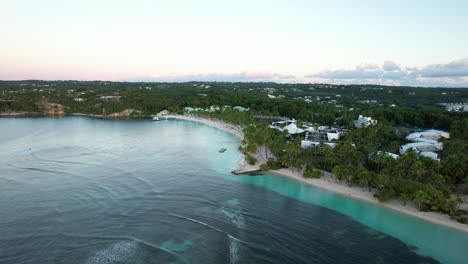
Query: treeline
151,98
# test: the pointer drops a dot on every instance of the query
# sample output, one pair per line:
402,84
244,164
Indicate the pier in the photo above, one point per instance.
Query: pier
255,172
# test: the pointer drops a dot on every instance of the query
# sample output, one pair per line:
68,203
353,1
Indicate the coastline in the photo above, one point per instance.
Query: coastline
329,183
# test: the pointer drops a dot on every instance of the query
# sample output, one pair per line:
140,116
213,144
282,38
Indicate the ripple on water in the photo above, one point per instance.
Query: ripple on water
117,181
172,246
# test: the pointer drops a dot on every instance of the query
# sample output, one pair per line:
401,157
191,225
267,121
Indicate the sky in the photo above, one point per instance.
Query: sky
398,42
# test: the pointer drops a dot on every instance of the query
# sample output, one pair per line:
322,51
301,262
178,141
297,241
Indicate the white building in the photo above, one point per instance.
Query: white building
420,147
240,108
431,134
431,155
333,136
385,154
293,129
308,144
364,121
289,126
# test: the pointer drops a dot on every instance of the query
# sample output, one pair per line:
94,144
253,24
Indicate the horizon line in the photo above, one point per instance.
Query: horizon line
240,81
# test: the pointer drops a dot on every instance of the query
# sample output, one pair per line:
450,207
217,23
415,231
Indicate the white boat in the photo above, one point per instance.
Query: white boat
155,118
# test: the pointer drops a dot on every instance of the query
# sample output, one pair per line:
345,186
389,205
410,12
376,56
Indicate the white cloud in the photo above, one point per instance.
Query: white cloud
390,66
454,73
458,68
246,76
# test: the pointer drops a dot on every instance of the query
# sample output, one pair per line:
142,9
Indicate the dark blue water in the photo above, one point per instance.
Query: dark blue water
81,190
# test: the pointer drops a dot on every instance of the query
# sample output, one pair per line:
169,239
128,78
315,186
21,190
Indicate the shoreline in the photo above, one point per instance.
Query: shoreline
39,114
329,183
232,129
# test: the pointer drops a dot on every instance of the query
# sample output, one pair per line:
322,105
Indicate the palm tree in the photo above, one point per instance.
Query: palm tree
419,197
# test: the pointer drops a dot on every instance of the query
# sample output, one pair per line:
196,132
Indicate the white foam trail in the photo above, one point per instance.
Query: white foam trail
132,240
233,250
117,252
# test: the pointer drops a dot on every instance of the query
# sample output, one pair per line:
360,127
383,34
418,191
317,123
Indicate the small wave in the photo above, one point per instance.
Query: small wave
41,170
69,162
206,225
187,198
233,242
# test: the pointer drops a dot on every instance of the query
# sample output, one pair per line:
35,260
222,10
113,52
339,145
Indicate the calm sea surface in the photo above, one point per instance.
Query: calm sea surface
82,190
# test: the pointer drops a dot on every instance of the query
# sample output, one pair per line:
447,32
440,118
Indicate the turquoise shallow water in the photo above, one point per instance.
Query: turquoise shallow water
82,190
442,243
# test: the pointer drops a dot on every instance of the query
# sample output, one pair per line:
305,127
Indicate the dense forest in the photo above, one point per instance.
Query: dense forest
320,103
431,185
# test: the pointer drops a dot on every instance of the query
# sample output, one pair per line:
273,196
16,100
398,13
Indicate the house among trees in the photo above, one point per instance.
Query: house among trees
111,97
240,108
364,121
288,125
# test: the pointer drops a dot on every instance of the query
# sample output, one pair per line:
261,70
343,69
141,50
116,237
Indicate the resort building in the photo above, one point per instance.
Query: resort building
364,121
431,155
455,107
288,125
308,144
419,147
240,108
384,154
425,143
431,134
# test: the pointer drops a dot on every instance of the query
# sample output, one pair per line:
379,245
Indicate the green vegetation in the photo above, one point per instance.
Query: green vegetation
430,185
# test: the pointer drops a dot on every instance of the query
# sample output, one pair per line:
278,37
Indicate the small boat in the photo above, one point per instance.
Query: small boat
155,118
222,150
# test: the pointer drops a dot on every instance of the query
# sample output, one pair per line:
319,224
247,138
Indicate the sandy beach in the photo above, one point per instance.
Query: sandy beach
329,183
235,130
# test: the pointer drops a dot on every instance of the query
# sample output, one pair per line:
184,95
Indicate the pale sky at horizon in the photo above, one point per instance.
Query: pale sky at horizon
386,42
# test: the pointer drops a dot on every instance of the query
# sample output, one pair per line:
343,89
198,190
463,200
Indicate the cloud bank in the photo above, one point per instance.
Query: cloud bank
246,76
454,73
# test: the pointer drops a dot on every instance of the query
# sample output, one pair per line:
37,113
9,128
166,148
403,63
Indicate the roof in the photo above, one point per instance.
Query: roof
293,129
425,140
431,155
417,144
388,154
428,133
